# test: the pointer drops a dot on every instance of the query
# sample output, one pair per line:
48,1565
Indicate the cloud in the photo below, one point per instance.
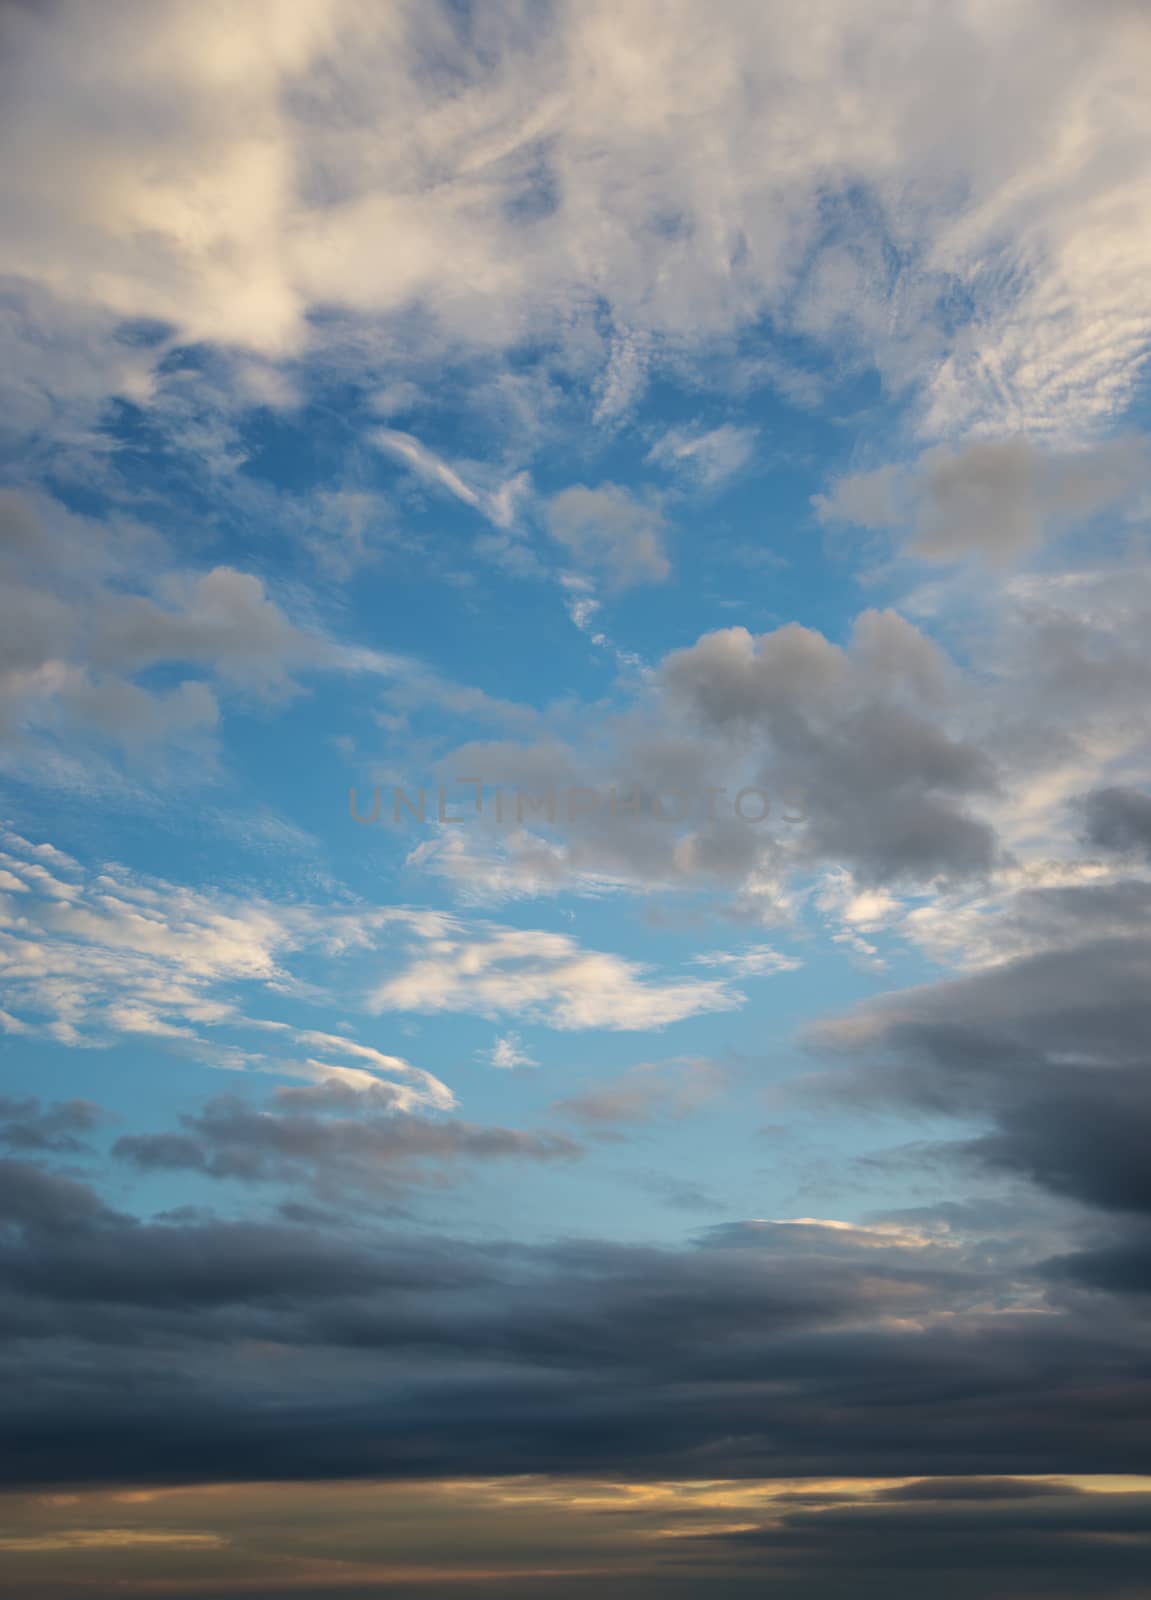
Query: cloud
334,1138
544,977
583,186
993,498
410,1353
25,1125
497,504
708,457
509,1052
610,532
744,766
1054,1538
757,961
888,787
643,1093
1044,1052
88,608
1119,819
648,1539
623,379
861,734
89,959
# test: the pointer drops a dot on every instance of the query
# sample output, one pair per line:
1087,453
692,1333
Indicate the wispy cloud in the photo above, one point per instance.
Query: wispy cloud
498,504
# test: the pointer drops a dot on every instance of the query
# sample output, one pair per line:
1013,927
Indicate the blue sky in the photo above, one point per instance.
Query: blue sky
261,806
630,409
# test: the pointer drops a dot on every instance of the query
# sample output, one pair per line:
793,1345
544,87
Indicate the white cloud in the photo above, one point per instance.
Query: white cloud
544,977
519,865
509,1052
498,504
756,961
87,958
622,381
700,171
707,457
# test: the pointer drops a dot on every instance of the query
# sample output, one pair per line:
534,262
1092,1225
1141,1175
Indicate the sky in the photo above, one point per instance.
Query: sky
575,799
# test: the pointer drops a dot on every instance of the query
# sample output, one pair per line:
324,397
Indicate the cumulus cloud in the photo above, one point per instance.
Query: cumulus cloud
862,735
871,770
742,765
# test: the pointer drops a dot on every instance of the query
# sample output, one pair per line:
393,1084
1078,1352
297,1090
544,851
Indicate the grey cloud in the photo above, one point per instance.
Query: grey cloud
1078,1137
872,757
883,756
861,735
653,1089
1041,1541
1119,819
994,498
1049,1049
867,499
222,619
36,1199
407,1353
335,1139
26,1125
608,531
1118,1262
76,632
967,1489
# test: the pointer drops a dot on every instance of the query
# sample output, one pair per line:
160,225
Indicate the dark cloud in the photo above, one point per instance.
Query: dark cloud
1119,819
1049,1052
301,1139
35,1199
1118,1262
26,1125
135,1345
963,1489
1077,1135
1036,1543
1049,1048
